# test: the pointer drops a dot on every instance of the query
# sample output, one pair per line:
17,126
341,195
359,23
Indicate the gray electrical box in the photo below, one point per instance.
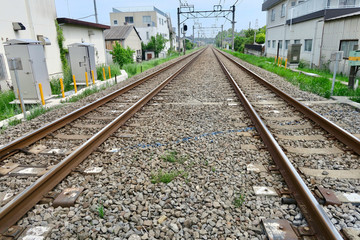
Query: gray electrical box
293,53
30,63
82,59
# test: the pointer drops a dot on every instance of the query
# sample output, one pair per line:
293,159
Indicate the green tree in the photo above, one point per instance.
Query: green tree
156,44
121,55
189,45
260,38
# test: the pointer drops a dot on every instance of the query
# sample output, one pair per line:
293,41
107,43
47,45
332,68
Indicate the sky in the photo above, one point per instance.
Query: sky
246,12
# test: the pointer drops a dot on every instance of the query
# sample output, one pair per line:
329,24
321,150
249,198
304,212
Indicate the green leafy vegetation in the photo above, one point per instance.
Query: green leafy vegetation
114,68
67,78
173,157
8,110
239,200
85,93
318,85
156,44
164,177
14,122
121,55
37,111
101,211
241,38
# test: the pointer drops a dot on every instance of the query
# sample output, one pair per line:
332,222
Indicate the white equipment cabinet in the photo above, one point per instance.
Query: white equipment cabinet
31,57
82,59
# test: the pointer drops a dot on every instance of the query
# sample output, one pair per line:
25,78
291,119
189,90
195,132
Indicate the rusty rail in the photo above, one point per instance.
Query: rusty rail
38,134
341,134
317,218
24,201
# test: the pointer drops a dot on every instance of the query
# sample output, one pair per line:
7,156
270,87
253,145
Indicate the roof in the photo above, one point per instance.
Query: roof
119,32
269,4
344,16
82,23
139,9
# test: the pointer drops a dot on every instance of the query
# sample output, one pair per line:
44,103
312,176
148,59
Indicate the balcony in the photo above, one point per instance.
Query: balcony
310,6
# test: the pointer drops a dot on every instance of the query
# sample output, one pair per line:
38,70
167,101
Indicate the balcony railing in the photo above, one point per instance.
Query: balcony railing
311,6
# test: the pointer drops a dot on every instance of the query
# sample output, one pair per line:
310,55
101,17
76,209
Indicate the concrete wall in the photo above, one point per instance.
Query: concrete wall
78,34
334,32
38,16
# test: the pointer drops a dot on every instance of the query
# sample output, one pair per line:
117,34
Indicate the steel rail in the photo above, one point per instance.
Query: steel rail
315,215
23,202
341,134
38,134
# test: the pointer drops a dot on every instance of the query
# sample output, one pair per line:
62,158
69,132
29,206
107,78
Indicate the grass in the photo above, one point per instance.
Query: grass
101,211
239,200
320,86
8,110
173,157
37,111
355,99
85,93
164,177
114,69
15,122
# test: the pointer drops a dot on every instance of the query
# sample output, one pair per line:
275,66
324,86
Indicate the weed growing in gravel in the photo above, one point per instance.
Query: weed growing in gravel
206,163
238,201
213,169
101,211
14,122
173,157
164,177
35,112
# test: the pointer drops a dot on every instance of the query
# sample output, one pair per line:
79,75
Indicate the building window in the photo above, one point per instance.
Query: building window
273,15
287,44
347,46
283,10
293,3
3,74
280,44
129,19
146,19
297,41
308,45
274,44
115,22
347,3
269,43
147,36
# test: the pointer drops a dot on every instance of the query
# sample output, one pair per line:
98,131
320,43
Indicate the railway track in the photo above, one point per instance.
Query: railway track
304,134
123,102
195,131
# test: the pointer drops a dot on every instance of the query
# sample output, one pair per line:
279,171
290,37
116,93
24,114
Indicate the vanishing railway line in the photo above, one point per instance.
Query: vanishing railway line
195,119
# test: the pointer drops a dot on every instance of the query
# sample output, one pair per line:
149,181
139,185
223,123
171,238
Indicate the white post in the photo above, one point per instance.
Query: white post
335,69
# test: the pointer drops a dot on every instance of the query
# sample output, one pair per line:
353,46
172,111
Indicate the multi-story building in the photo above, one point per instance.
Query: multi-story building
148,21
321,26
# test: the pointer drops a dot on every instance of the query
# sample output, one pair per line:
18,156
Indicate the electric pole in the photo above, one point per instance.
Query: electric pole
96,15
233,26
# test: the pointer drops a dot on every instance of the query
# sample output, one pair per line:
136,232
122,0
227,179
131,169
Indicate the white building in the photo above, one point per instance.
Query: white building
76,31
148,21
28,19
311,23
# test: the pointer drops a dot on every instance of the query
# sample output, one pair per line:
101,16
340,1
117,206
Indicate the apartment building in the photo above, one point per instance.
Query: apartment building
321,26
148,21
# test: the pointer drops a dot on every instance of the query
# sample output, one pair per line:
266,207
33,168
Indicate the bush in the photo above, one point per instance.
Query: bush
121,55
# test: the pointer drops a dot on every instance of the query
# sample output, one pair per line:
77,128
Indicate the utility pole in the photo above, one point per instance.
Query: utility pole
178,17
222,29
233,26
193,34
96,15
